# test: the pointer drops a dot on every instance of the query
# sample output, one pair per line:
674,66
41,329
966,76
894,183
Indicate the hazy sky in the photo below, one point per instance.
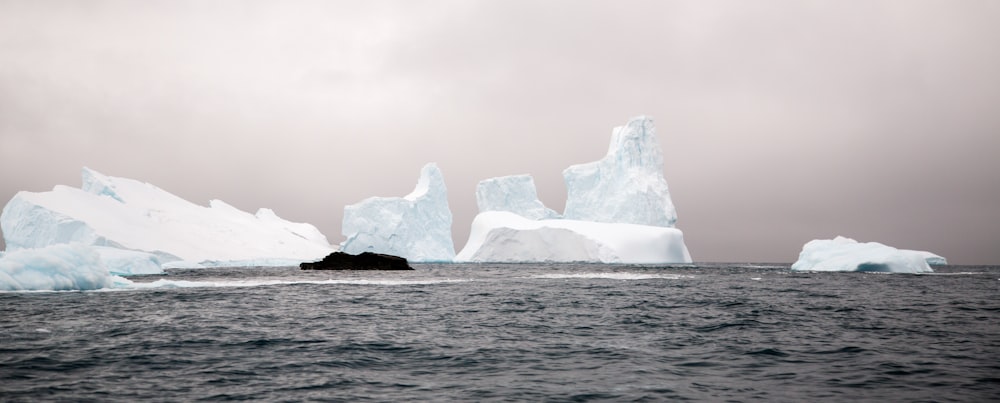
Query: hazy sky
780,121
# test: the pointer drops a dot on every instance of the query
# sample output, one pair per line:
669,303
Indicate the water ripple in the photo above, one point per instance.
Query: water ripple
512,333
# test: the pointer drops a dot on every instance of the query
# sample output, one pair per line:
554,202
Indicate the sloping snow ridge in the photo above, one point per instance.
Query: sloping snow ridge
846,254
627,185
131,215
618,210
416,226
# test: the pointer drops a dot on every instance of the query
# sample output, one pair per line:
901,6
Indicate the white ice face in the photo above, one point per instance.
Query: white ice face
501,236
845,254
516,194
627,185
416,227
56,268
132,215
129,262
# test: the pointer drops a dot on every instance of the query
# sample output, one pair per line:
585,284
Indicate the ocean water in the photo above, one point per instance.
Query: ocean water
511,333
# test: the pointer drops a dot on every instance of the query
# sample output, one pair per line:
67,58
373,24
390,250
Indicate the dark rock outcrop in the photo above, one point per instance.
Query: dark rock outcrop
363,261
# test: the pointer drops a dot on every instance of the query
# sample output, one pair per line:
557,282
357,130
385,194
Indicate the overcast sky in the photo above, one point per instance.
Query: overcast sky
780,121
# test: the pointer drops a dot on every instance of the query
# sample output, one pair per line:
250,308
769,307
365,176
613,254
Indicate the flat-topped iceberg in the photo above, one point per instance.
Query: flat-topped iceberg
618,211
416,226
846,254
135,216
501,236
626,186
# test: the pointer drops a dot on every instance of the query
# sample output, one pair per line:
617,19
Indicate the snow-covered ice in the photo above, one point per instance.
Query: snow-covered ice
54,268
846,254
627,185
516,194
501,236
127,214
416,226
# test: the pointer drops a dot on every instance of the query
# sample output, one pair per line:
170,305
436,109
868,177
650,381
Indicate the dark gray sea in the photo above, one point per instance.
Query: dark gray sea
716,332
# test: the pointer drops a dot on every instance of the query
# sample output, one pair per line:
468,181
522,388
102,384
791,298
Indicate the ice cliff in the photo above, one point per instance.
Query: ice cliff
626,186
129,215
54,268
416,226
846,254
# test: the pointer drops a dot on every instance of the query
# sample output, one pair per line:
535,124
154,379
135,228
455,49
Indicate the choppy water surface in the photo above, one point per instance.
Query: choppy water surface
511,332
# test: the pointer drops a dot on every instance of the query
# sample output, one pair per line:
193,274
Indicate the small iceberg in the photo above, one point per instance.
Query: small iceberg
846,254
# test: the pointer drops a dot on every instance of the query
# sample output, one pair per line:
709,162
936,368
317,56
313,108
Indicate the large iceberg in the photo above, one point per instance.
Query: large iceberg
416,226
627,185
130,215
846,254
516,194
618,211
501,236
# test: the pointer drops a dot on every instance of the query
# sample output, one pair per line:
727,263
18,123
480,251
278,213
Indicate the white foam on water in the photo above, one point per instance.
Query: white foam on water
163,283
610,276
764,266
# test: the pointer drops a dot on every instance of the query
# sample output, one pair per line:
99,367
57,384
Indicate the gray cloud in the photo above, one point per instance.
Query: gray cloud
781,121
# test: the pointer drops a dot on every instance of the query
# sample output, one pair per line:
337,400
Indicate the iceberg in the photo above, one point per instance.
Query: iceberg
502,236
55,268
130,215
846,254
416,226
627,185
516,194
618,210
